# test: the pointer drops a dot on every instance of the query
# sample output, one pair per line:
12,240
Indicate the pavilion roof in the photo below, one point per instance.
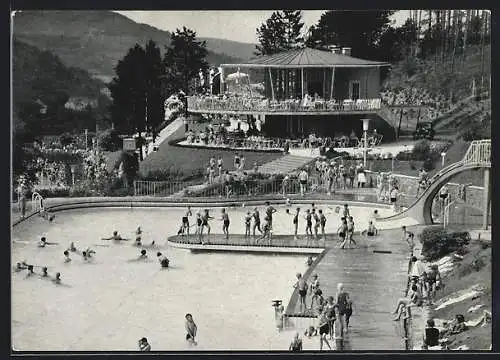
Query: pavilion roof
307,58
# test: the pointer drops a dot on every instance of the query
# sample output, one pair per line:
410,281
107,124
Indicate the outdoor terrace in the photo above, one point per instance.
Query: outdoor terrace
243,105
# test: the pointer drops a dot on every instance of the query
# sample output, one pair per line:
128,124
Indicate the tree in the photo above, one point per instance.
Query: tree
360,30
184,58
280,32
128,90
154,70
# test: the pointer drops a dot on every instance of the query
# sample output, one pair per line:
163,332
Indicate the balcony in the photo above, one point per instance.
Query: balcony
246,105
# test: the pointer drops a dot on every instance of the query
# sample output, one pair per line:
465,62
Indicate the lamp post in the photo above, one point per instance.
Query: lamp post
443,155
366,123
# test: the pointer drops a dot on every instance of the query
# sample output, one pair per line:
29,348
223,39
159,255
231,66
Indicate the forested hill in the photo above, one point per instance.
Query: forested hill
96,40
41,75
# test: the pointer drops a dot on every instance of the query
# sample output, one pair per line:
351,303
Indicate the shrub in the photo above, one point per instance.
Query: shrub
110,141
66,139
429,164
52,193
437,242
421,150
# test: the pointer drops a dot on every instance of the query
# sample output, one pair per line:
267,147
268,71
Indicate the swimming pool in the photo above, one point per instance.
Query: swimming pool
110,303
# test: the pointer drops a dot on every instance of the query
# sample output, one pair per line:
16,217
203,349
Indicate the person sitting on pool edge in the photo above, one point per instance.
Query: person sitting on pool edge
115,237
191,329
431,335
164,262
412,299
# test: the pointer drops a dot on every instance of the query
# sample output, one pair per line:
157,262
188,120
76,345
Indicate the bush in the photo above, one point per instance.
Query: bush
437,242
110,141
52,193
429,164
66,139
421,150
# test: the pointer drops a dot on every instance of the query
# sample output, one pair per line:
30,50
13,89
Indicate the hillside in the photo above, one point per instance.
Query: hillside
40,74
40,80
446,89
96,40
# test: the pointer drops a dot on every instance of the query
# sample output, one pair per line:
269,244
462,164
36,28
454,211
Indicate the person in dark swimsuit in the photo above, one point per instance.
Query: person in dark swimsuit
269,213
345,306
266,231
248,223
308,218
316,222
185,222
346,212
296,224
324,329
256,221
322,223
342,232
199,222
431,335
225,223
301,286
204,223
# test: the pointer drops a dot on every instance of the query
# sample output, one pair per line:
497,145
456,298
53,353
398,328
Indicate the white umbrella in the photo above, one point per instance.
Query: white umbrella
236,76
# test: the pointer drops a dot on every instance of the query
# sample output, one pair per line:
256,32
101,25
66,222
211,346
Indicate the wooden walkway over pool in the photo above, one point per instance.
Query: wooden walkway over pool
280,244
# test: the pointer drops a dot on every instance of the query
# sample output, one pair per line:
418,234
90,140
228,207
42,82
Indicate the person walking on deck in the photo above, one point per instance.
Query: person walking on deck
345,306
342,232
324,329
301,286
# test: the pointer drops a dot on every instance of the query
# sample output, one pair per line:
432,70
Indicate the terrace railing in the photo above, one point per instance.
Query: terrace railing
213,103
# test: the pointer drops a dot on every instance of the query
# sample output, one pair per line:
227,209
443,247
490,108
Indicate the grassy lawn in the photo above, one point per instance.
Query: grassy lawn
187,161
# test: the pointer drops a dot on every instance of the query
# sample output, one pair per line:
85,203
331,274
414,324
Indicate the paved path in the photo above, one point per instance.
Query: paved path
164,134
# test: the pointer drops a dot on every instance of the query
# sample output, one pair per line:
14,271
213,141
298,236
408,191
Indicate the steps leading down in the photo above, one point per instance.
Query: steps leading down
284,164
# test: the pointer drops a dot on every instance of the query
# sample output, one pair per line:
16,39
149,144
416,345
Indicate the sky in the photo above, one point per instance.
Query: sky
230,25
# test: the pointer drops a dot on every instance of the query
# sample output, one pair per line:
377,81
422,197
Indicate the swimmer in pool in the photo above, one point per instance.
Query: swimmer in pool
115,237
309,261
144,345
67,259
191,329
138,237
143,255
57,279
371,230
20,266
30,271
45,272
43,242
72,247
87,254
164,262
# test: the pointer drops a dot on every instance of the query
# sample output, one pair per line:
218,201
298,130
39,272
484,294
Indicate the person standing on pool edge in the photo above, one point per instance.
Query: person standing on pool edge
316,222
205,218
345,306
185,222
301,285
308,224
322,223
270,210
256,221
225,223
191,330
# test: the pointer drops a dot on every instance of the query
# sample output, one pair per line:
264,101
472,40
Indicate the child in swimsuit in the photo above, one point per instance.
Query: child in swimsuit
248,222
342,231
225,223
185,221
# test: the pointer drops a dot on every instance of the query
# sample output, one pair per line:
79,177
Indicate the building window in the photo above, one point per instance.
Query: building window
354,90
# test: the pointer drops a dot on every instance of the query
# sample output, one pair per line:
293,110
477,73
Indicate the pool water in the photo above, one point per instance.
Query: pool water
107,304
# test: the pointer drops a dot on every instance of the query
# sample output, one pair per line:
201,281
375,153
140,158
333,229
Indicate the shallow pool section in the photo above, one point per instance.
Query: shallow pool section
109,303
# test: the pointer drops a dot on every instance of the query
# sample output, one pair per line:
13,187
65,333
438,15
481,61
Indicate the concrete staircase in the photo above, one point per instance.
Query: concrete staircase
285,164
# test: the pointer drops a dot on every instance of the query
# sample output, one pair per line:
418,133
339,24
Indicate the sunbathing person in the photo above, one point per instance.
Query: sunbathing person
414,298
